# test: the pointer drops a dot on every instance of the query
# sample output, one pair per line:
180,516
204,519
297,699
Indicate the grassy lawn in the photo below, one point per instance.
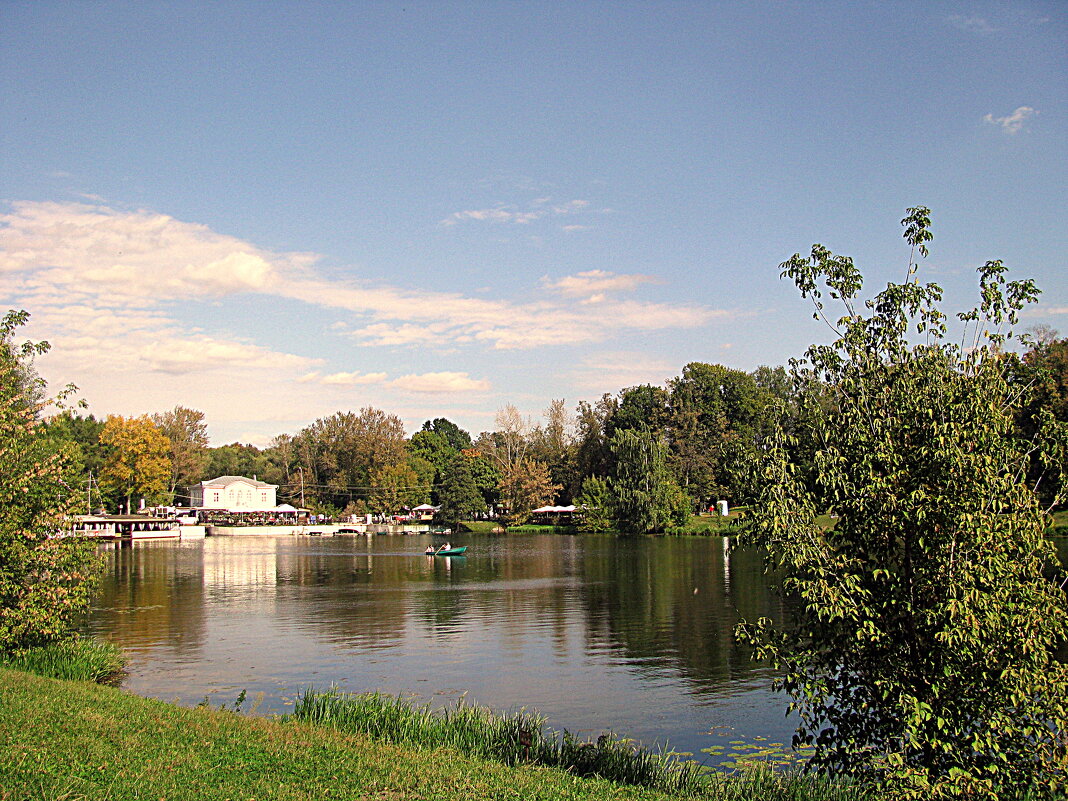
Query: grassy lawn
75,740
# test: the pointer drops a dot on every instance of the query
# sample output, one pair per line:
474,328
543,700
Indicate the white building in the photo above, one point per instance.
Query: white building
234,493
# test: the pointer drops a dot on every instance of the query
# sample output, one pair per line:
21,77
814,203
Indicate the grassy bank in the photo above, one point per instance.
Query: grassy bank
77,740
77,659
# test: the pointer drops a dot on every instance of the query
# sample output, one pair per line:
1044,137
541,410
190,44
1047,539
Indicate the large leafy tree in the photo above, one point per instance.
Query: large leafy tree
137,459
187,432
45,580
460,498
645,497
922,655
525,485
337,454
718,418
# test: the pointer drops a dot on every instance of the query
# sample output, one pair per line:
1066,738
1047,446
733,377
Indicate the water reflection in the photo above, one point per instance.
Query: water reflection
594,632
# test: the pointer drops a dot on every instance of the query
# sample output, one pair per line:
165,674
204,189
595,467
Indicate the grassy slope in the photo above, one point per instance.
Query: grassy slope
74,740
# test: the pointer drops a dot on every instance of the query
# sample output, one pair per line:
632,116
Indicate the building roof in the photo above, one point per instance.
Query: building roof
226,481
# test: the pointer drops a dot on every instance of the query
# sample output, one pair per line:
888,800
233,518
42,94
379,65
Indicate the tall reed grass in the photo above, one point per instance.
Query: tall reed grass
76,659
523,736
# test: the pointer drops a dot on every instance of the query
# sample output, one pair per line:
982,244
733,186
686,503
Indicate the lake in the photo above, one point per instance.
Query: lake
596,633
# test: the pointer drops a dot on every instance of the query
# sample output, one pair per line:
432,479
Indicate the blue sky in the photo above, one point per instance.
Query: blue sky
274,211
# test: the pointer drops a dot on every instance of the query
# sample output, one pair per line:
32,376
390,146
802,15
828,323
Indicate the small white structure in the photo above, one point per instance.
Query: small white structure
721,506
235,493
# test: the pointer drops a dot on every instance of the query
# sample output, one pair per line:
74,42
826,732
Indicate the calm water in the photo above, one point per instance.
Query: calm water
595,633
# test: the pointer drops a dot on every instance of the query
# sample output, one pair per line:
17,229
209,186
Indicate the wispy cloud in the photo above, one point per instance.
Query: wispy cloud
538,209
117,291
93,269
352,379
595,283
977,25
441,383
1013,123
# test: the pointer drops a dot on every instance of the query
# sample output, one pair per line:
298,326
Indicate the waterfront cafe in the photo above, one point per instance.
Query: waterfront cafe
281,515
553,516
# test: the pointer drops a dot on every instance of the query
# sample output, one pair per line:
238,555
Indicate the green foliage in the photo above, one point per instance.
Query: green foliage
396,486
74,659
45,579
137,459
645,497
337,454
922,656
716,419
597,505
459,496
187,433
75,740
1042,379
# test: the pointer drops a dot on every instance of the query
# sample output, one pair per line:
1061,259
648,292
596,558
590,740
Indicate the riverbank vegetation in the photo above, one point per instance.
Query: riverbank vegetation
76,740
72,659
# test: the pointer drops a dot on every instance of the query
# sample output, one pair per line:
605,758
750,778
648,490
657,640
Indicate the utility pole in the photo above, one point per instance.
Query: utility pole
301,468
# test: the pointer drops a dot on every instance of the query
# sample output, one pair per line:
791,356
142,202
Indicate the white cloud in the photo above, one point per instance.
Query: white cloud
117,292
591,282
971,24
538,209
1013,123
498,215
441,383
353,378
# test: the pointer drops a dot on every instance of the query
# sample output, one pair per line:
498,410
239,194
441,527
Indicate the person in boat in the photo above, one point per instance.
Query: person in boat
445,547
429,550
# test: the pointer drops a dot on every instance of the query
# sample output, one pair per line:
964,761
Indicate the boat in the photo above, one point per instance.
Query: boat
452,551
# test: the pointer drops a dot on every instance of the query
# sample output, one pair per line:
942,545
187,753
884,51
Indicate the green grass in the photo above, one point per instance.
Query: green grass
76,659
480,526
532,528
77,741
480,732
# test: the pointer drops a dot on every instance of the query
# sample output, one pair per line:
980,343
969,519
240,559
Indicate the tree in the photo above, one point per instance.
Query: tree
921,655
339,452
137,461
45,580
1042,378
645,496
525,485
716,414
188,434
460,498
553,445
395,486
452,434
596,504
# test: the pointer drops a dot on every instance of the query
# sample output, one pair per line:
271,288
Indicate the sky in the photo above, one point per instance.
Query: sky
274,211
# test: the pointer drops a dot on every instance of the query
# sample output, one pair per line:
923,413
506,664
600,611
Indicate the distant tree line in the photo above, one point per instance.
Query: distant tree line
639,460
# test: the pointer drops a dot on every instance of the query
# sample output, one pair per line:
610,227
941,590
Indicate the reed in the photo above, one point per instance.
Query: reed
523,737
75,659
